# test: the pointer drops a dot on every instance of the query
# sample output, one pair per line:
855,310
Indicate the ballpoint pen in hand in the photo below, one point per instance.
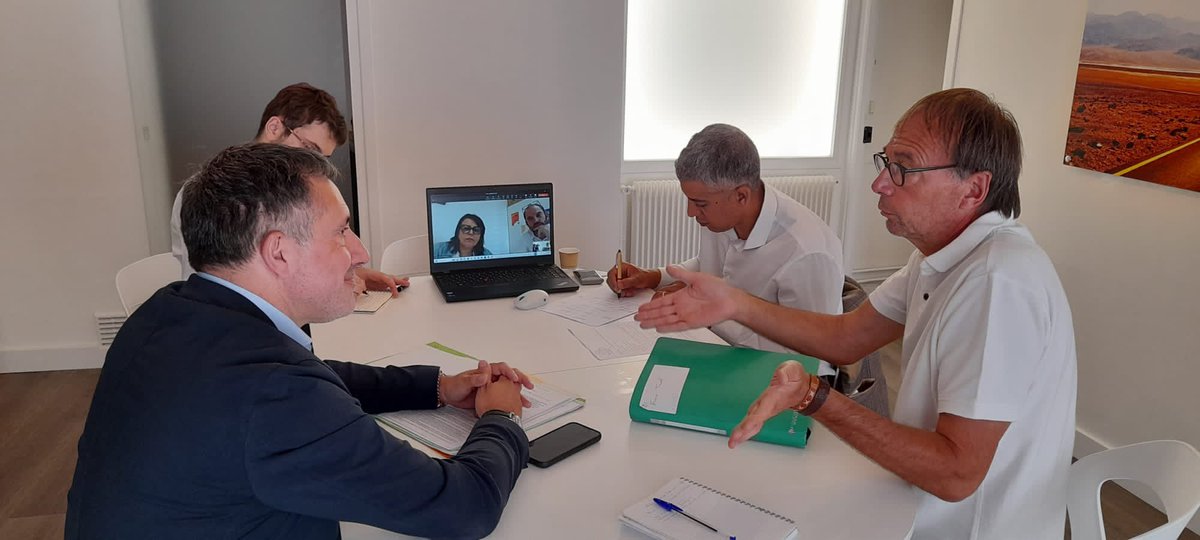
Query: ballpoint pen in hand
672,508
620,273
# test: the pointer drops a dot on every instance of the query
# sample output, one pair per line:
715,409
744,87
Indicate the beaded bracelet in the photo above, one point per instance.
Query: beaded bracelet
818,400
813,386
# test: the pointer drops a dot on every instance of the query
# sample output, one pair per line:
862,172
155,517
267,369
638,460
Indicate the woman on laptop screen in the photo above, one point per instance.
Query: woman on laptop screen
467,240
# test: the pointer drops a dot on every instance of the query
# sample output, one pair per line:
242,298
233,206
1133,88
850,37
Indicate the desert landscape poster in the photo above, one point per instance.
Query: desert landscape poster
1136,111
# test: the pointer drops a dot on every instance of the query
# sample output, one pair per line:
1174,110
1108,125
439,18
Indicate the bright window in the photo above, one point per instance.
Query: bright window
769,67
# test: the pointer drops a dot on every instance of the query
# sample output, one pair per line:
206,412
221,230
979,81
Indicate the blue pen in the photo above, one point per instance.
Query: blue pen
672,508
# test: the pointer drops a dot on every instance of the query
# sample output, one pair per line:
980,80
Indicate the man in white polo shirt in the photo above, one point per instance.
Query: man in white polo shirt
757,238
985,417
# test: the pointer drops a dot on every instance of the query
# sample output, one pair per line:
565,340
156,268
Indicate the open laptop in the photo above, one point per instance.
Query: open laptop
493,241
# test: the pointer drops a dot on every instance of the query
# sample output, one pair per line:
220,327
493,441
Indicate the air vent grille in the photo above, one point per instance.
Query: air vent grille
107,326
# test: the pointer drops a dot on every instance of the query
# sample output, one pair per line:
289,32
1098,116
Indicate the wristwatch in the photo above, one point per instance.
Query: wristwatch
516,419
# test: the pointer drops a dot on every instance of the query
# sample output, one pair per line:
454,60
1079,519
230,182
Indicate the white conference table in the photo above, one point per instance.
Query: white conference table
828,488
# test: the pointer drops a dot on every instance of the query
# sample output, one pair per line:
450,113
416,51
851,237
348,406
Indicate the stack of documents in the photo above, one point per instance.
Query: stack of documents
447,428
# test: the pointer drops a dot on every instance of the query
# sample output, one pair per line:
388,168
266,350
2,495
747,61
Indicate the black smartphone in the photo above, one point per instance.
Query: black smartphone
555,446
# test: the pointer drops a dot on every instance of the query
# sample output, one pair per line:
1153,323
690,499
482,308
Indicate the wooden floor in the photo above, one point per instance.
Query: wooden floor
42,415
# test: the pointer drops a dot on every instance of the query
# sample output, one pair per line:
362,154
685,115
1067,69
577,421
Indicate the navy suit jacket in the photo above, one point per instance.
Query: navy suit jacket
208,422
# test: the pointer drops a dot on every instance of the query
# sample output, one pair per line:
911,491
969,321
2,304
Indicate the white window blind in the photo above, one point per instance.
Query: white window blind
769,67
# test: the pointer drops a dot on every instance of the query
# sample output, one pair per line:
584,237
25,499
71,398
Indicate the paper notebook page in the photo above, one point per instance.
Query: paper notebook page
728,514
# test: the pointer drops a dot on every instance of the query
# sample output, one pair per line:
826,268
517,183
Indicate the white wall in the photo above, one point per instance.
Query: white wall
1126,250
71,210
494,92
909,51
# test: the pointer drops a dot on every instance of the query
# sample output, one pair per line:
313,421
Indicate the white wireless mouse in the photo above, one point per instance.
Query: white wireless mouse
531,299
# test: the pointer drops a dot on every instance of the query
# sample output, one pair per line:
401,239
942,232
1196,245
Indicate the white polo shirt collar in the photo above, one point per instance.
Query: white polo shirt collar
966,242
763,225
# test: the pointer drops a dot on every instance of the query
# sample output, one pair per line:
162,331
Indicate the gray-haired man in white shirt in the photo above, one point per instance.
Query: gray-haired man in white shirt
984,421
754,237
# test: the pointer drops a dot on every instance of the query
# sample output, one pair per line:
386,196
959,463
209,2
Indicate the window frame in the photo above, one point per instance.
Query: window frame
835,163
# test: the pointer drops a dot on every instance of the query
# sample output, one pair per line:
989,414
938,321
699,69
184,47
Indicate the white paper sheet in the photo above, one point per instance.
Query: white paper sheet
626,338
663,388
596,306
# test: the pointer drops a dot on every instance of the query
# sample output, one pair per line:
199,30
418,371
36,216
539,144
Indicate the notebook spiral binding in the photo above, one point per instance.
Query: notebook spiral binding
735,499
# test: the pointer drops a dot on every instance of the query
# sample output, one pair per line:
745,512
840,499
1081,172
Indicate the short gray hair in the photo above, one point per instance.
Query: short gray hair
720,156
244,193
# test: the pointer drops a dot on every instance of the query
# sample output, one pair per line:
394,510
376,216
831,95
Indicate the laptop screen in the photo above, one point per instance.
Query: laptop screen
490,226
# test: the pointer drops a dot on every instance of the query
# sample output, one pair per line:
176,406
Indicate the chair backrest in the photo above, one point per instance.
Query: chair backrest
870,367
406,257
138,281
1170,468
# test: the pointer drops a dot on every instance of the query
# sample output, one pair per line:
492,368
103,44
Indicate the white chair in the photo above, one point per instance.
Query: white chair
138,281
1170,468
406,257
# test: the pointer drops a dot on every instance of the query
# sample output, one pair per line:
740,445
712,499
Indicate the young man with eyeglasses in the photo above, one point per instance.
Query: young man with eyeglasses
755,237
299,116
984,422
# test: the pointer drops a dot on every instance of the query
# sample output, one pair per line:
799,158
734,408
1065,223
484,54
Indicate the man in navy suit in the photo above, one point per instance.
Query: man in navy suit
214,419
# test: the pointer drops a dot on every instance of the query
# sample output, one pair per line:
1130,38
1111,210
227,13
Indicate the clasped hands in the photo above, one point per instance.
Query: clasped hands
489,386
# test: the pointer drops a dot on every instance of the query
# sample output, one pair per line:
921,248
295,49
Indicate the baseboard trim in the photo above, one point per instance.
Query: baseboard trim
1087,444
873,275
52,358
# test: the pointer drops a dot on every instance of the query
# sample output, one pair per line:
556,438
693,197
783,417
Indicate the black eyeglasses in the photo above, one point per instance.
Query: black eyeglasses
305,143
897,171
468,229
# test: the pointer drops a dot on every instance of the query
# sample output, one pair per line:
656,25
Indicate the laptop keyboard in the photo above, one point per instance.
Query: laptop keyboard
503,276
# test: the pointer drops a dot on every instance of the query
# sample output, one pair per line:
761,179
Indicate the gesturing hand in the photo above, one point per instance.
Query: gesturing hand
460,390
707,300
788,386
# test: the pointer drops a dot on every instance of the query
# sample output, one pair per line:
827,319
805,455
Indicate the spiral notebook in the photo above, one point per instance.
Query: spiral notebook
731,515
